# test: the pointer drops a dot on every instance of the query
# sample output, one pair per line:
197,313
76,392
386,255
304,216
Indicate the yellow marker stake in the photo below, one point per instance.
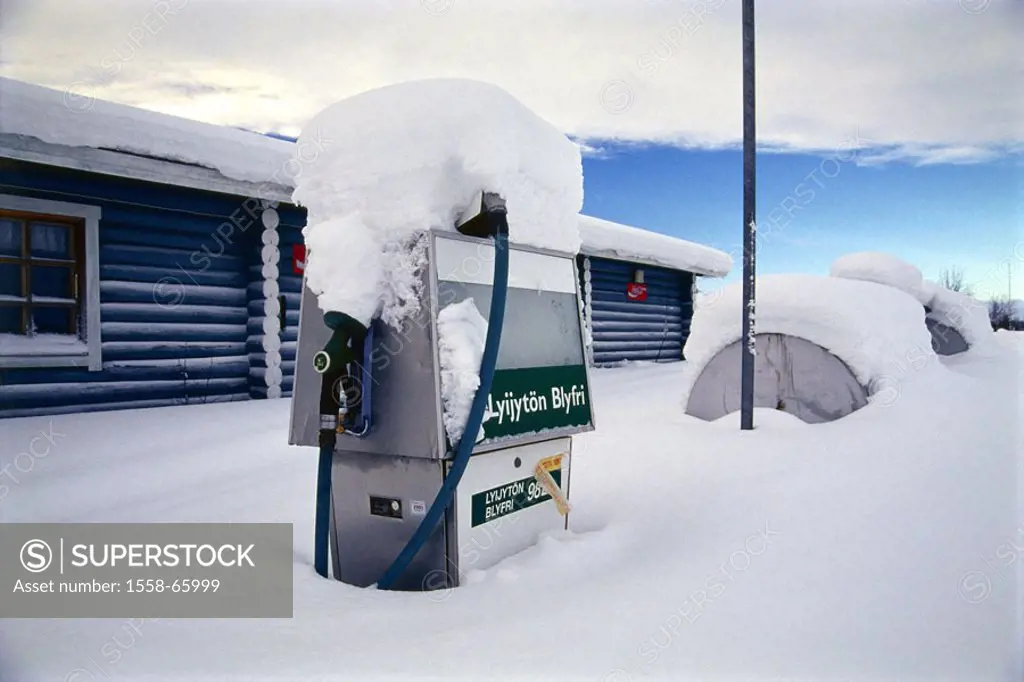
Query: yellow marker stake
543,475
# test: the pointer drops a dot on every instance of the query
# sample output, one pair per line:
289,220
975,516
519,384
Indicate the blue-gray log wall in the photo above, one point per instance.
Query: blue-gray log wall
173,295
652,330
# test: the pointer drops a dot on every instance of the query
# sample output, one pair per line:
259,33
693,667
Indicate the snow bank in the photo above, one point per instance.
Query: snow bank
462,332
410,157
964,313
871,327
77,121
765,418
606,239
877,547
883,268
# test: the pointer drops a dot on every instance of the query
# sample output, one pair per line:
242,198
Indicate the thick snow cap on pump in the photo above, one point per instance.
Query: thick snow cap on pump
405,158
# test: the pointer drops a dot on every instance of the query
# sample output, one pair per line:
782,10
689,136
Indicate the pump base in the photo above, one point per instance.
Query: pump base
500,510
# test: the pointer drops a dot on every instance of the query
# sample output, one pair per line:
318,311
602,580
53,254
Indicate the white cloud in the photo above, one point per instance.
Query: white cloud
929,81
930,155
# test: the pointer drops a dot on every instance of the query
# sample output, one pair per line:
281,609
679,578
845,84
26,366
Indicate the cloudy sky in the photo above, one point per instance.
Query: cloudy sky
929,90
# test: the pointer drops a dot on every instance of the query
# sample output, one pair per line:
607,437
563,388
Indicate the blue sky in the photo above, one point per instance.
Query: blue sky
935,216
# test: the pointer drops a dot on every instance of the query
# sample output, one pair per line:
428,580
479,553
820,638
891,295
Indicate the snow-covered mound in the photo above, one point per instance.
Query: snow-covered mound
871,327
406,158
75,120
961,312
613,240
964,313
883,268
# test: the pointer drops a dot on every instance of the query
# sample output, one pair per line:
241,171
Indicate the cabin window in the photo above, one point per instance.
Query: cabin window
49,284
40,274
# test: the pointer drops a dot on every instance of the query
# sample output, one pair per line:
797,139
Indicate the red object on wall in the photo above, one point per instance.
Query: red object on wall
636,292
298,258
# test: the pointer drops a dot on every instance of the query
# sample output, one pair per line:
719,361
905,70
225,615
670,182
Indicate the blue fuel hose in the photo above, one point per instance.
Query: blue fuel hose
321,531
464,449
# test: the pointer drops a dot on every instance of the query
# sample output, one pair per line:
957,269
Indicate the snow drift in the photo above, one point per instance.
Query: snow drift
410,157
877,547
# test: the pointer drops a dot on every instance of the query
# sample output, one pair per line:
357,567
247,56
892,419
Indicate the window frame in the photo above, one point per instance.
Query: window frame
89,299
71,263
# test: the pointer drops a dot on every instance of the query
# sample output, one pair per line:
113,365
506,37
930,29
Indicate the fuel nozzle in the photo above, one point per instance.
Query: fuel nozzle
340,394
339,349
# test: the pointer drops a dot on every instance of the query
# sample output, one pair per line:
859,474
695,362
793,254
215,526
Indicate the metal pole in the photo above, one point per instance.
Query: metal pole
749,220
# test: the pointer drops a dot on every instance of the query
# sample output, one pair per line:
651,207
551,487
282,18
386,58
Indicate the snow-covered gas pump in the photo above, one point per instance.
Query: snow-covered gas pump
401,503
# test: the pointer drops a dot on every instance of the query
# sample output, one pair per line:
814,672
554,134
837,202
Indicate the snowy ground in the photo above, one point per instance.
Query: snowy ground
886,546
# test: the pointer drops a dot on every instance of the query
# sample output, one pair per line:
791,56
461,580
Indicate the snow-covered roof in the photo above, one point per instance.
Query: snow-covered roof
606,239
61,128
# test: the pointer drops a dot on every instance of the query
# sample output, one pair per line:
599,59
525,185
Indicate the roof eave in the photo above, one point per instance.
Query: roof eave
107,162
611,254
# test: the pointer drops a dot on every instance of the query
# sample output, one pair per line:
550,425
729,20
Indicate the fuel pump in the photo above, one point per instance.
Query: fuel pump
379,426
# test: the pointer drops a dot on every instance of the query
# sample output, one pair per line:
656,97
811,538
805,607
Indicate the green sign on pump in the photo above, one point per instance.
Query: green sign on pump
510,498
537,399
